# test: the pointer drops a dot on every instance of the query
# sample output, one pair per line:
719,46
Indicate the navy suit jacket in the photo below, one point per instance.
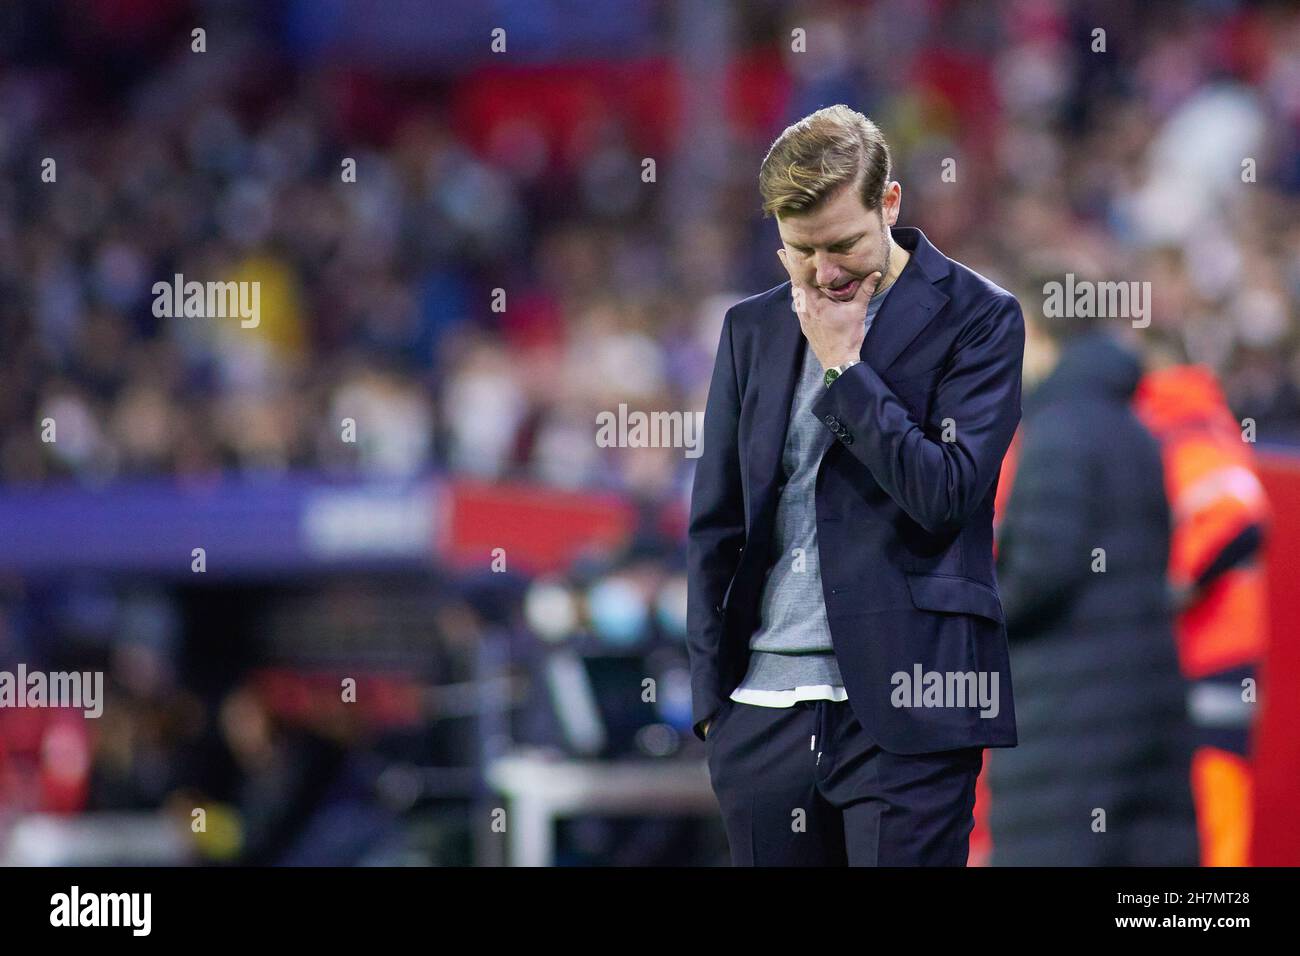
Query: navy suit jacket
904,498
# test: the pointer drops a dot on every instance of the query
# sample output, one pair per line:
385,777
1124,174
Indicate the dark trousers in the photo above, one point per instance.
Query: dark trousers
807,786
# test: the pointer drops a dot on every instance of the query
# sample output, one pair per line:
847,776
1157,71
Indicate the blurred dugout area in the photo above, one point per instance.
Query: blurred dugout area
357,707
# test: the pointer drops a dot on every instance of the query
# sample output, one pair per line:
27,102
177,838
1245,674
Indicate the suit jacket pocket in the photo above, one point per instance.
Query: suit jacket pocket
955,595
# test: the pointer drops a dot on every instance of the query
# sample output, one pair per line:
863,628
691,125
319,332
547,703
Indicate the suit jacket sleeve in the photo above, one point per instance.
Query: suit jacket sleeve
940,483
716,533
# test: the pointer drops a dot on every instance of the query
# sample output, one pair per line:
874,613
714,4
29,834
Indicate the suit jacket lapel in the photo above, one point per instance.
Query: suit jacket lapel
780,360
911,304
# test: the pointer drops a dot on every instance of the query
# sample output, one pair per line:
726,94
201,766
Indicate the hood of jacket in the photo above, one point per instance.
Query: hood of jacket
1093,366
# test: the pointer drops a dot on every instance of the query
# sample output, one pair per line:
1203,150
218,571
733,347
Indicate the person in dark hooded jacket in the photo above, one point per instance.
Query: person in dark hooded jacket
1100,776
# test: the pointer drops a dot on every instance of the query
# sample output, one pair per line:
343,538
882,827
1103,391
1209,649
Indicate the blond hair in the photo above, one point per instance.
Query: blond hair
817,155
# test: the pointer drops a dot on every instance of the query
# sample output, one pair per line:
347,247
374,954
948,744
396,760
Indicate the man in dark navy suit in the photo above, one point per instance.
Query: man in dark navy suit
848,653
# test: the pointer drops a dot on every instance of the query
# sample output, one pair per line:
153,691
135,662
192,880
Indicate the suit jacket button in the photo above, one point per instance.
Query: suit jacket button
830,420
846,438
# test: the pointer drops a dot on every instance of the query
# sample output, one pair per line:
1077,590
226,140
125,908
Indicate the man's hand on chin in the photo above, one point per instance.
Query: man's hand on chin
834,329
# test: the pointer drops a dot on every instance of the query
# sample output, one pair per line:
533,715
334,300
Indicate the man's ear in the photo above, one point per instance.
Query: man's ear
893,202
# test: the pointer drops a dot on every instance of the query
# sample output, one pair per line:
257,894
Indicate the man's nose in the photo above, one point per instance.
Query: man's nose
827,271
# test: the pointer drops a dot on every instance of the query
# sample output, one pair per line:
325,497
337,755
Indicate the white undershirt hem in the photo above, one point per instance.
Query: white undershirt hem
788,698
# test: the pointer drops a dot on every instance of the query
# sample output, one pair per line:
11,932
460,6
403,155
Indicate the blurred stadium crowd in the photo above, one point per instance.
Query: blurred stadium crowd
377,295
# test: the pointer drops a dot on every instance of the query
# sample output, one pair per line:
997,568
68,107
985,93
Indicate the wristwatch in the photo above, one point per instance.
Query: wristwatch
835,372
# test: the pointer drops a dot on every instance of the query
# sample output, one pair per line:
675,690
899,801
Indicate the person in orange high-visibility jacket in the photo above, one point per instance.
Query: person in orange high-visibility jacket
1220,516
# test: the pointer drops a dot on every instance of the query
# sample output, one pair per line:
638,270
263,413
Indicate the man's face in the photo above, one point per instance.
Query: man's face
838,244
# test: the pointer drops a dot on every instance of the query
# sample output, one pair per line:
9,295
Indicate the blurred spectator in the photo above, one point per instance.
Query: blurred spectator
1101,773
1220,517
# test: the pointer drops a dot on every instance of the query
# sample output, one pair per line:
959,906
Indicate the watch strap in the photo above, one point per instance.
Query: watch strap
836,371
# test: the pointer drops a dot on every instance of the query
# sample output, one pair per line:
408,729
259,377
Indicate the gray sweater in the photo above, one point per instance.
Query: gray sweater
792,645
